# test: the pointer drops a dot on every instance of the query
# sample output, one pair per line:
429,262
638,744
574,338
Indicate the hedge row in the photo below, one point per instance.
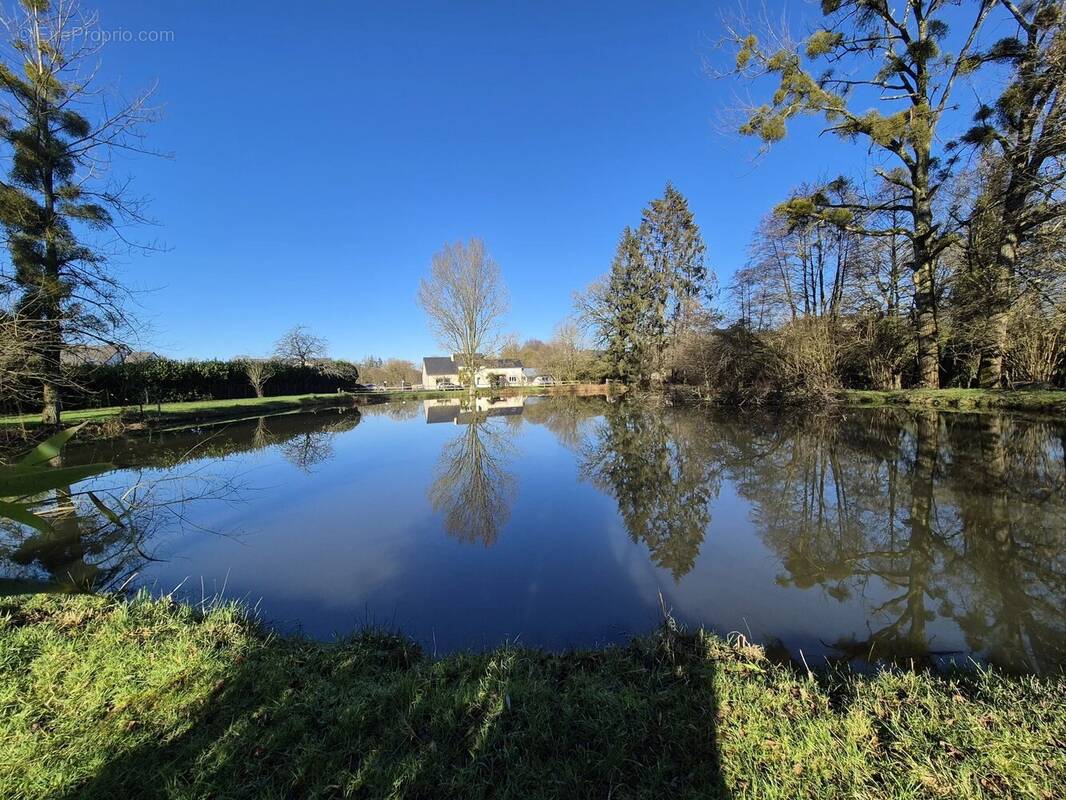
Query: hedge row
163,380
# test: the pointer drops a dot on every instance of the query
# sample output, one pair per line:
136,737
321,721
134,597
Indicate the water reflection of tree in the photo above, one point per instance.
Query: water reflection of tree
959,517
87,550
1011,584
658,466
399,410
83,551
568,417
99,545
307,448
473,488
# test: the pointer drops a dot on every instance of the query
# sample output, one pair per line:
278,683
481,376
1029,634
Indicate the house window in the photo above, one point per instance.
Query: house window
512,379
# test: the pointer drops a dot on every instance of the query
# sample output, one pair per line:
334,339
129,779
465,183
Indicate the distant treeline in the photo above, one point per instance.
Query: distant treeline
163,380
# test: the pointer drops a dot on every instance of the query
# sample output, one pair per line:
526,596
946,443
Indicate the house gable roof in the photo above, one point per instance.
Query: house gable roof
501,363
439,365
442,365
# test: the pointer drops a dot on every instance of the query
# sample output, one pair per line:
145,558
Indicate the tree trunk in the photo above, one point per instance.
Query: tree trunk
926,324
990,373
51,357
52,315
51,408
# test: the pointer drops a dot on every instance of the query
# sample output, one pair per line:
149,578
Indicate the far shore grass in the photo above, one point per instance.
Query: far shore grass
106,697
118,419
1051,401
131,418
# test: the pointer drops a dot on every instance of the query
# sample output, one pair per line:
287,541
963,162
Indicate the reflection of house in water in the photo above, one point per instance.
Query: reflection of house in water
463,412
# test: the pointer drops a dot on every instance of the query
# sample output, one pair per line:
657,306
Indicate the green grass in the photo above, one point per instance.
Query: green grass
130,417
201,409
1043,400
101,697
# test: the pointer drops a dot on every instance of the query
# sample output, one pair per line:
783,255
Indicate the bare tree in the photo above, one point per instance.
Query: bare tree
300,346
567,351
61,215
259,371
465,300
20,380
393,372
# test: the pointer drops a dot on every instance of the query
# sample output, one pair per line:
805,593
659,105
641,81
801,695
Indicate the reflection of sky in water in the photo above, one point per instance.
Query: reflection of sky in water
341,530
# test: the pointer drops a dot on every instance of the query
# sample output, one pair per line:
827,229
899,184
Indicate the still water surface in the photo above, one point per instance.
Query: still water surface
868,535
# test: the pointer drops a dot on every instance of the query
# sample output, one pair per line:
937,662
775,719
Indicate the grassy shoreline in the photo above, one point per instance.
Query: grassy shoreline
114,420
1043,400
106,697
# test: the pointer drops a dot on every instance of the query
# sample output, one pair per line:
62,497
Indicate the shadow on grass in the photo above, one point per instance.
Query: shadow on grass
372,718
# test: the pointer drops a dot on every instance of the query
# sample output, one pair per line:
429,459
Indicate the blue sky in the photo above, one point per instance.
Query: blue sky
323,152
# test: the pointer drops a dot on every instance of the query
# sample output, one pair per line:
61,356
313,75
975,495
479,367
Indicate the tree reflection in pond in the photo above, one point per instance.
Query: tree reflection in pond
307,448
657,465
880,534
87,551
472,488
83,551
954,516
915,517
94,547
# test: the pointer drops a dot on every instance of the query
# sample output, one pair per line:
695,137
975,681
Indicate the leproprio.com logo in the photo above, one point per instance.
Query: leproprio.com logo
124,35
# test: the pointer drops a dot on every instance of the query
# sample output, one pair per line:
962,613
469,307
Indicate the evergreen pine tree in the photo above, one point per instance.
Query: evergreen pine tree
55,197
629,312
673,252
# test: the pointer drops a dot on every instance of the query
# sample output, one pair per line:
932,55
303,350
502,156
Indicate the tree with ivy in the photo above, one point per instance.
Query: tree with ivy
1022,136
891,56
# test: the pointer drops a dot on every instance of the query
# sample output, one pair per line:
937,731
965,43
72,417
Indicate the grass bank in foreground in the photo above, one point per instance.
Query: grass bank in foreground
1046,401
111,698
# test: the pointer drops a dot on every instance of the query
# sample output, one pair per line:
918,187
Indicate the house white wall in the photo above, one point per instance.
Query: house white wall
431,381
512,376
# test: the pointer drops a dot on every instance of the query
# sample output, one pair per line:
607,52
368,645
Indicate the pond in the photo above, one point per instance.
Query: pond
868,535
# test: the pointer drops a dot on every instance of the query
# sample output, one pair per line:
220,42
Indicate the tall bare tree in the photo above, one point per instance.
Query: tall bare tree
465,299
299,346
61,214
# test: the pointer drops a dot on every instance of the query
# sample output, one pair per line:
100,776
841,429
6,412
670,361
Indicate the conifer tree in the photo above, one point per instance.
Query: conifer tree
619,308
673,252
633,328
56,196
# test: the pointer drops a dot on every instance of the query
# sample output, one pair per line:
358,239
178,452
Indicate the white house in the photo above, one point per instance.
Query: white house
491,372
